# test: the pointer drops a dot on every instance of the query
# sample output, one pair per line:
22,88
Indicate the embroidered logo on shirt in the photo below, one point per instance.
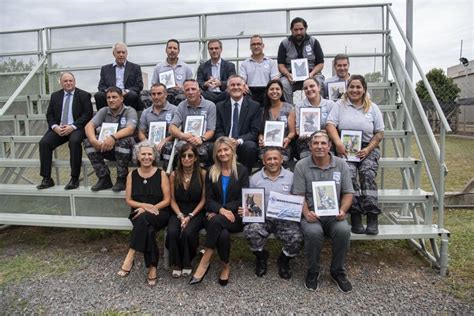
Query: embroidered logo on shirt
336,176
179,76
168,117
123,121
285,187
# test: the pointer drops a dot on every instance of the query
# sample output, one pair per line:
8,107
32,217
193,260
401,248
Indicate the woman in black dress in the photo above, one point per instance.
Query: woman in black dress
148,194
224,183
187,202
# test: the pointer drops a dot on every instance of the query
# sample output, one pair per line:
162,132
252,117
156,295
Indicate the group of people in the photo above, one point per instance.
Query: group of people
234,110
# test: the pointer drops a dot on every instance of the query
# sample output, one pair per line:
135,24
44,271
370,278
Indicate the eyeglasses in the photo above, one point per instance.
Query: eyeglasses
187,156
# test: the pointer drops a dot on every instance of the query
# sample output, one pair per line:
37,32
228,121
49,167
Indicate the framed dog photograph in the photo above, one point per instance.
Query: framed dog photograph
274,133
299,69
106,130
156,132
194,125
336,90
167,78
325,198
310,121
352,140
253,203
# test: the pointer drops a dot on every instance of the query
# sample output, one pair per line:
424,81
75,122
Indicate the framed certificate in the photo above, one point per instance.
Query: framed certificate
285,207
156,132
274,133
194,125
310,121
352,140
336,90
253,203
106,130
299,69
325,198
167,78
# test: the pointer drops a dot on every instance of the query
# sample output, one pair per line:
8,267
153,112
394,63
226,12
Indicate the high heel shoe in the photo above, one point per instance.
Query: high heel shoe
195,280
223,282
124,273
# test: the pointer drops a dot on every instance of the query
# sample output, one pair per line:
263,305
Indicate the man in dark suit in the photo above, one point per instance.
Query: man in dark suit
213,74
239,118
122,74
68,112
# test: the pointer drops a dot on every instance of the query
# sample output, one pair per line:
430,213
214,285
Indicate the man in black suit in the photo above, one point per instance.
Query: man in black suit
239,118
122,74
68,112
213,74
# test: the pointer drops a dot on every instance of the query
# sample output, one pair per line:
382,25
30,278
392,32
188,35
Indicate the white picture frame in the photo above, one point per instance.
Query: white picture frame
156,132
299,69
325,198
352,141
274,133
253,204
336,90
194,125
167,78
107,129
310,121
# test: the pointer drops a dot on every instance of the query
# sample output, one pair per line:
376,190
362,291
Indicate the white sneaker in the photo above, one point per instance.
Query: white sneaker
186,272
176,273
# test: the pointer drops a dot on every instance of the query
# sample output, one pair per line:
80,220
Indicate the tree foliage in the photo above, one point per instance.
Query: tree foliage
444,88
374,76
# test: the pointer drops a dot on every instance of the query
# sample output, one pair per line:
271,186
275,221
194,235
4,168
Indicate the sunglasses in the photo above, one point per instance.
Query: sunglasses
187,156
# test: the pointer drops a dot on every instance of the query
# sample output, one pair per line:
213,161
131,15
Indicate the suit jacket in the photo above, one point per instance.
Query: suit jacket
81,108
205,72
132,78
250,119
214,191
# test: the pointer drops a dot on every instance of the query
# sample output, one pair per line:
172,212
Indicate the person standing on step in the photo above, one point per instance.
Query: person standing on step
355,111
116,146
68,112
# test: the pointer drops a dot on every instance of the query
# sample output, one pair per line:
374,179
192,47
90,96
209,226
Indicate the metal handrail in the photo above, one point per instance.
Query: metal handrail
441,115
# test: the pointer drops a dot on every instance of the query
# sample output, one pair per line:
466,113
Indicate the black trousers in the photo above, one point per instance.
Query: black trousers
51,140
214,96
258,94
131,99
182,245
143,237
218,231
247,154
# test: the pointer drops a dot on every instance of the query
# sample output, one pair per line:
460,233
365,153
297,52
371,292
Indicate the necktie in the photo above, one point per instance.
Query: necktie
235,122
65,114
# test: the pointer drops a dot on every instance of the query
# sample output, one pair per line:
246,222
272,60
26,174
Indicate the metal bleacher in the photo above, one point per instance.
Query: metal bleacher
408,207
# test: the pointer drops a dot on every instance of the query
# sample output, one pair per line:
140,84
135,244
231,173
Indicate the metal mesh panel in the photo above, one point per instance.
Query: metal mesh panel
99,206
246,23
106,34
163,30
49,205
18,42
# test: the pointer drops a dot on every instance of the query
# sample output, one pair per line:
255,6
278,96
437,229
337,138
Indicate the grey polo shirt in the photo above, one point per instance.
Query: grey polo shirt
206,108
182,71
126,117
306,172
258,74
282,184
325,105
347,116
149,115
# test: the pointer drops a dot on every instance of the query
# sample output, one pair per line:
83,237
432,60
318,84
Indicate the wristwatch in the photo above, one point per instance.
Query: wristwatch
191,215
203,139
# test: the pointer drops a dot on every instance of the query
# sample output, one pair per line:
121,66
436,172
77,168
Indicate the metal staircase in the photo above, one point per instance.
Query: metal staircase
408,209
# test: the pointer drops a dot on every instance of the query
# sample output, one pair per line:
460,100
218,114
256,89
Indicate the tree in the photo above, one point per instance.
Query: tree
374,76
444,88
9,83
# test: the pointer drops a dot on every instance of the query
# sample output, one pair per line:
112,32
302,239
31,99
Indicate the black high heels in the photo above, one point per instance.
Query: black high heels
195,280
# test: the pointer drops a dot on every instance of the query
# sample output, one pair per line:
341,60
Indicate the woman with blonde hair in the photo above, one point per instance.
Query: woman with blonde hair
148,194
355,111
224,183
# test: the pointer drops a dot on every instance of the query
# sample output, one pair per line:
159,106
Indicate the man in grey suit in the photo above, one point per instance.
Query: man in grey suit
213,74
122,74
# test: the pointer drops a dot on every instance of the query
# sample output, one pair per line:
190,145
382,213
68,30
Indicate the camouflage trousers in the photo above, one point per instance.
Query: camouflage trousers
365,187
121,153
289,233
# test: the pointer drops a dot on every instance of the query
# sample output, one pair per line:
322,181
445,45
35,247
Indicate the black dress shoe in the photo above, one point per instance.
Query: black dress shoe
195,281
104,183
45,183
73,184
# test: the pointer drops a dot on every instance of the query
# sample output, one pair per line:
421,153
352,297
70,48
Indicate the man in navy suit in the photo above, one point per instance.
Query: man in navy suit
213,74
122,74
239,118
68,112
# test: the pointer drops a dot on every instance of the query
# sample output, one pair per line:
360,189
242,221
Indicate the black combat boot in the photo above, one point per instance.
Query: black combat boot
284,266
372,224
119,185
356,224
103,183
261,262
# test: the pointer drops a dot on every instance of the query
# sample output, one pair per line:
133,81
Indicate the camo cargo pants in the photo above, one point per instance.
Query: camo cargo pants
365,187
122,154
289,233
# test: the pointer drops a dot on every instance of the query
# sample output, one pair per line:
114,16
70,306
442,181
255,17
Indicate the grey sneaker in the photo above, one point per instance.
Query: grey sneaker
342,282
312,281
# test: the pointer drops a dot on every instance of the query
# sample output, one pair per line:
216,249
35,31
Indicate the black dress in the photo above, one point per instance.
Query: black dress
146,225
182,245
